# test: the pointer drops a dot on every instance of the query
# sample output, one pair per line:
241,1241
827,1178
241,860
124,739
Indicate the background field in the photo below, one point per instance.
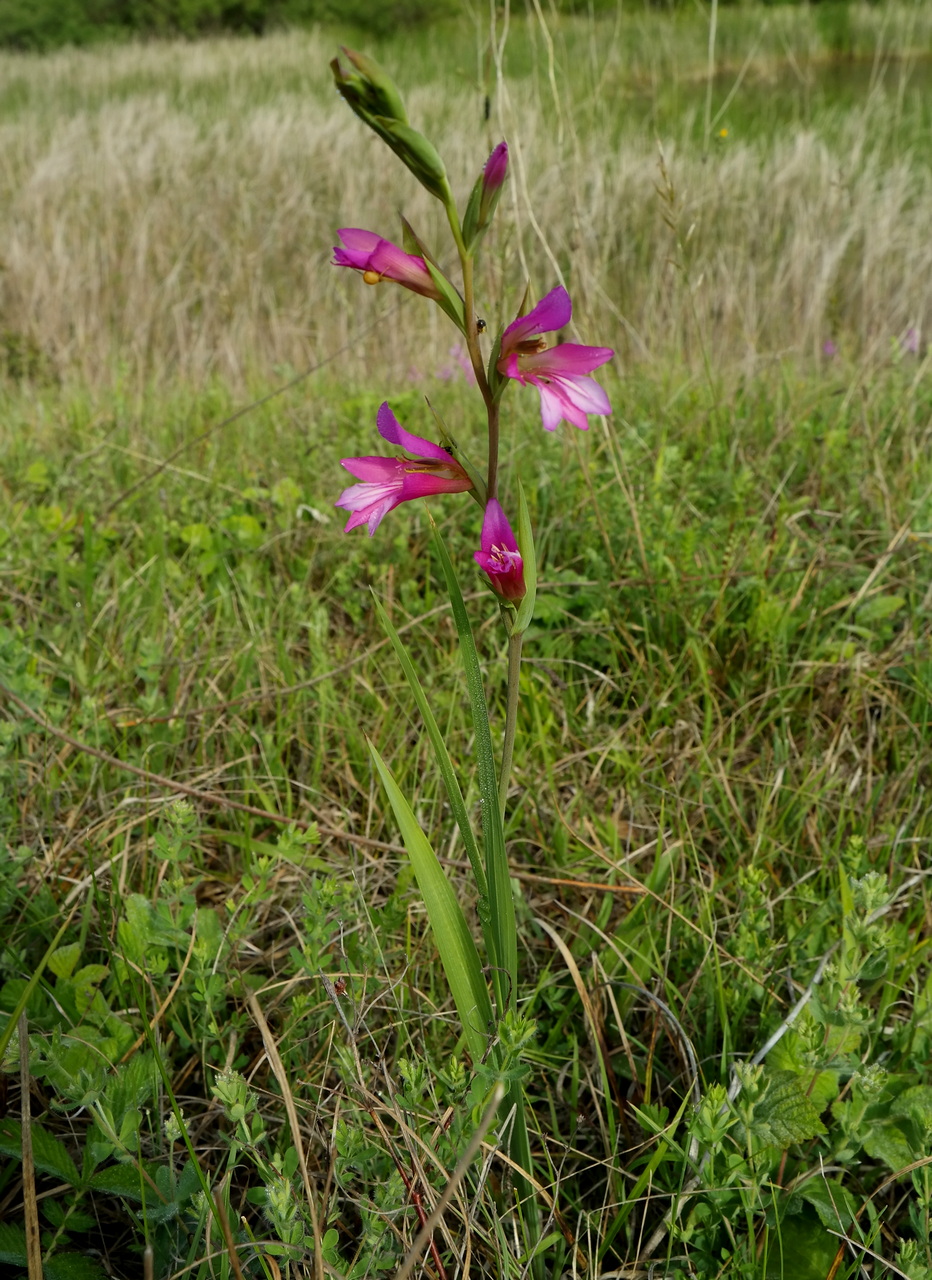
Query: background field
723,757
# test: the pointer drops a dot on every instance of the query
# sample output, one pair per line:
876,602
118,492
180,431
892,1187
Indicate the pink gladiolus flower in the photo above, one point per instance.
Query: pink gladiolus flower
560,373
499,556
386,482
379,260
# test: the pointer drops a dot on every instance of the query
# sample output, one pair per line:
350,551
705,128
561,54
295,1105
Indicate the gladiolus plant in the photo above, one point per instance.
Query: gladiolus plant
485,988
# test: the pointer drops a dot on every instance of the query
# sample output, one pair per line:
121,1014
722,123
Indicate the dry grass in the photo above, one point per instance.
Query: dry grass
169,209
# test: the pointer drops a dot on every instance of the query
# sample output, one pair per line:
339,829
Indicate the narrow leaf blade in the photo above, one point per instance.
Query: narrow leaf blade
501,903
455,943
444,763
529,557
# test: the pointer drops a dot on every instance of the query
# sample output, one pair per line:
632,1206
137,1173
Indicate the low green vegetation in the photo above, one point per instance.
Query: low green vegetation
722,760
215,967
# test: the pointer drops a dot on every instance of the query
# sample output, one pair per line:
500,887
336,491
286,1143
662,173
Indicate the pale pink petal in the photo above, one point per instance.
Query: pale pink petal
568,397
374,470
368,504
584,393
358,240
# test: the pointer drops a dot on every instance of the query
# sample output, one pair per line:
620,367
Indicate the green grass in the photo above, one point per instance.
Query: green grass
729,718
719,804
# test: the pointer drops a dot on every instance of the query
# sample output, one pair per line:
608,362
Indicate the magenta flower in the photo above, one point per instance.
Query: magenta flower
379,260
386,482
560,373
499,556
485,195
496,167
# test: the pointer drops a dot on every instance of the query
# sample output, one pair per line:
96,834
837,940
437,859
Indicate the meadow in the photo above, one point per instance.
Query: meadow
244,1056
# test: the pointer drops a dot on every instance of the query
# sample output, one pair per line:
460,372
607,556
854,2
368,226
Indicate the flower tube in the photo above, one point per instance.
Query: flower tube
379,260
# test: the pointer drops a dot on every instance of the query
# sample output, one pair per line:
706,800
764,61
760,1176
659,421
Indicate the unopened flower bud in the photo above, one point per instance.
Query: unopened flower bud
375,98
367,89
499,555
485,195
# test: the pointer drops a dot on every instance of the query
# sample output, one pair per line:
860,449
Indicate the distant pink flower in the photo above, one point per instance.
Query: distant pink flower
559,373
829,349
499,556
379,260
460,365
386,482
909,343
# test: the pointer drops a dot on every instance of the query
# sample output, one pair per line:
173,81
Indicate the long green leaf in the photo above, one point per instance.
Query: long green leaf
529,557
458,953
444,763
449,299
501,902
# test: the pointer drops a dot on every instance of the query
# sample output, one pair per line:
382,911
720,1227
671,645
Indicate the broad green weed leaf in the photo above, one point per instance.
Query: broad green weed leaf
915,1103
455,943
783,1114
72,1266
122,1180
12,1245
62,961
48,1153
801,1250
821,1087
834,1204
887,1142
880,608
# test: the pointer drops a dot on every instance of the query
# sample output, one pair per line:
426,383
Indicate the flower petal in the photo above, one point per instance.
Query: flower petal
552,312
374,470
390,429
567,358
499,556
368,504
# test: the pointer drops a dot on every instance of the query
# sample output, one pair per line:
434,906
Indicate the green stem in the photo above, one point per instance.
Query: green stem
475,354
515,642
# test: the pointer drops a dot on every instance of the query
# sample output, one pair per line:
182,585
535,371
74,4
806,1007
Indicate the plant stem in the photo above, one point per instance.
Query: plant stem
475,354
511,715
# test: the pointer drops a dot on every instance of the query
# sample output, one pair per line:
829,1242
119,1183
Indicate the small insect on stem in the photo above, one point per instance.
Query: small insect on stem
481,326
